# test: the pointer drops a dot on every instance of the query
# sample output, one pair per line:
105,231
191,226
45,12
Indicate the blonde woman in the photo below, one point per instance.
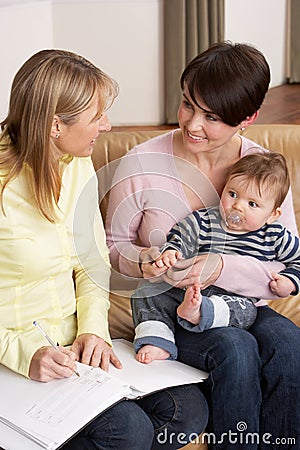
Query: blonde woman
54,269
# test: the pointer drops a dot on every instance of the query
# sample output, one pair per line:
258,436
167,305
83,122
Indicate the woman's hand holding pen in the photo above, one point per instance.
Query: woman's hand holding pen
94,351
47,364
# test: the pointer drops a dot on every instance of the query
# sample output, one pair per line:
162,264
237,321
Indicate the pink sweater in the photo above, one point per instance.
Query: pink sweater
148,198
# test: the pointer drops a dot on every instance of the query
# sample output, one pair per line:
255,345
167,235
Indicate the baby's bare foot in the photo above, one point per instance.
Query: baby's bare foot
149,353
190,307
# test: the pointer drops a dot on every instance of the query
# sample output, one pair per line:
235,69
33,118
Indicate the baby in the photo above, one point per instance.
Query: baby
245,224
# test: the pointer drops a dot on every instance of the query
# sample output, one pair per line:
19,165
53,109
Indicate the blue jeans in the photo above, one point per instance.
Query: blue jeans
152,422
154,312
253,389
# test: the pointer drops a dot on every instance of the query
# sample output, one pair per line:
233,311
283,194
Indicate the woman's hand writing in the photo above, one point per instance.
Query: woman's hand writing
48,363
94,351
203,270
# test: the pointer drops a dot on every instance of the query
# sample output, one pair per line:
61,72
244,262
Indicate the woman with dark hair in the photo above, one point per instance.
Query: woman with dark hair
253,383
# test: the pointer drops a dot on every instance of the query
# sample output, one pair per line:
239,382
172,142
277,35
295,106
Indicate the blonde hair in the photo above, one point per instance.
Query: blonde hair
51,82
268,170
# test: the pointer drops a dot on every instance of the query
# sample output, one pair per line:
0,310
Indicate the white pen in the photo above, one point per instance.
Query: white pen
49,340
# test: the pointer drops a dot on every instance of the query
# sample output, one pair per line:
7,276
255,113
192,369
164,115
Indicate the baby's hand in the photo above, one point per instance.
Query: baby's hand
167,259
281,285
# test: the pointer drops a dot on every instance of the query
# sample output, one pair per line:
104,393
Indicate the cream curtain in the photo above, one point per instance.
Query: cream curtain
190,26
293,41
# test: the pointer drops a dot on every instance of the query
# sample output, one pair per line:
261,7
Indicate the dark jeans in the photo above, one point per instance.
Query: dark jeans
152,422
154,312
253,388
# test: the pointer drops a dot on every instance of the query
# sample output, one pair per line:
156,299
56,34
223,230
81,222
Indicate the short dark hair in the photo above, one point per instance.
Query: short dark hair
268,170
231,79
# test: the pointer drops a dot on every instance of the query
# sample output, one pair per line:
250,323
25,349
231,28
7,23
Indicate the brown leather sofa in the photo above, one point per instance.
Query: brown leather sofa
282,138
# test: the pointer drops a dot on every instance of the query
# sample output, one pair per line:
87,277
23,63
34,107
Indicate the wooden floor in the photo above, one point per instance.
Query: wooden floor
281,105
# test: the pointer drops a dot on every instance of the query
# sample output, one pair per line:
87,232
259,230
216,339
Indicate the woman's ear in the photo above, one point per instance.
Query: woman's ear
249,120
55,129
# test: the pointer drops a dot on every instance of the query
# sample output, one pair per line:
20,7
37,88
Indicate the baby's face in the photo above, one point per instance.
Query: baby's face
244,208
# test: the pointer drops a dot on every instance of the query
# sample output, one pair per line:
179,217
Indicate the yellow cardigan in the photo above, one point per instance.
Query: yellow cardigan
42,262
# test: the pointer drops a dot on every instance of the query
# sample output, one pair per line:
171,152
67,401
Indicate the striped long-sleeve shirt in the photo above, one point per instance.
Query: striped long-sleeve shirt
201,233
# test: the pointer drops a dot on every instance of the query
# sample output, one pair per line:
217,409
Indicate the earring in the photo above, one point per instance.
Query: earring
57,135
243,129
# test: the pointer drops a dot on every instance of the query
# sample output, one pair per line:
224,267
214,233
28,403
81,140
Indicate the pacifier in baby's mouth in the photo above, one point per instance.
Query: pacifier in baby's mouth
233,218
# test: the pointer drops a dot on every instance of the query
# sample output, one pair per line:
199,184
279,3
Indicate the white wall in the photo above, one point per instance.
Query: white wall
125,38
261,23
25,28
